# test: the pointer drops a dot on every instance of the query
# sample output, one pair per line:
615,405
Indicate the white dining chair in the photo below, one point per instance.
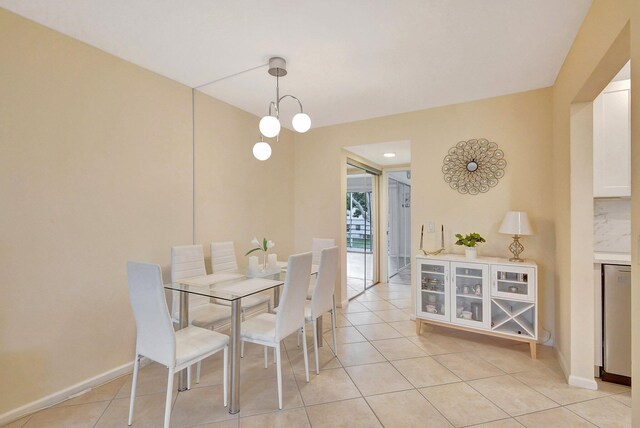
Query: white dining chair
269,330
156,338
317,245
223,259
323,299
187,261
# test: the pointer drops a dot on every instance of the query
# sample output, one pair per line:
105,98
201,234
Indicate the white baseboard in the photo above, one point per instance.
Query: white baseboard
344,303
62,395
583,382
573,380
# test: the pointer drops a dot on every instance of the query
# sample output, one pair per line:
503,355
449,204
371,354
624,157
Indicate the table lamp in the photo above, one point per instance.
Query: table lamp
516,223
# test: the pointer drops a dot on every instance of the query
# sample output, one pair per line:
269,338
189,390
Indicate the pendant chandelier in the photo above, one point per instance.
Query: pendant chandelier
270,124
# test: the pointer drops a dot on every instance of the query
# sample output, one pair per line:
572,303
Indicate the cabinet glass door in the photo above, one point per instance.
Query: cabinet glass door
433,298
513,282
470,294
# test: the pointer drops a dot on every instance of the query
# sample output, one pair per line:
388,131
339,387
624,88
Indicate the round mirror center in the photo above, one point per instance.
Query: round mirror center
472,166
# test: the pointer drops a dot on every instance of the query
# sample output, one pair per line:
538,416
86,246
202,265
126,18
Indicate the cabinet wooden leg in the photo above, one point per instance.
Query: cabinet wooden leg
532,345
418,326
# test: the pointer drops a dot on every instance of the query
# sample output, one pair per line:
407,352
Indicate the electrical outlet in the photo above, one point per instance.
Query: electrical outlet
431,227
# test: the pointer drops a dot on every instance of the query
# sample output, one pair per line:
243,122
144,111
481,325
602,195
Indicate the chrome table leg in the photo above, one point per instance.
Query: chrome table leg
183,323
234,348
319,331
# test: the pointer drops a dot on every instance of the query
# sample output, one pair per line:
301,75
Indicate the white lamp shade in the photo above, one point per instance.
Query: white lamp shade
301,122
516,223
262,150
269,126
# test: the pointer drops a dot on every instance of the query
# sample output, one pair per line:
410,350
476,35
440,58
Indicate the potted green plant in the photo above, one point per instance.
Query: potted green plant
470,241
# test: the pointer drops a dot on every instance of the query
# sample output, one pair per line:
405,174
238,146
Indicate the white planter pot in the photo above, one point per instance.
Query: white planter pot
470,252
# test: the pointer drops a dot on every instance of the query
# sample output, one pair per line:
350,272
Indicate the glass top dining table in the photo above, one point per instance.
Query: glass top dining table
231,287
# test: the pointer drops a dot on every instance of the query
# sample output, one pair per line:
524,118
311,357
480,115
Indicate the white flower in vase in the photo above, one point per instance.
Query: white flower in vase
265,246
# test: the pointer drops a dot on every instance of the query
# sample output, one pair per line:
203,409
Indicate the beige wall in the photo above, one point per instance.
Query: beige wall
88,142
520,124
595,56
238,197
97,169
582,280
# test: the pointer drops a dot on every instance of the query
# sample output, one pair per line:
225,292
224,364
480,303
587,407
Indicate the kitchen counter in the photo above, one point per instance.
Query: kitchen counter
612,258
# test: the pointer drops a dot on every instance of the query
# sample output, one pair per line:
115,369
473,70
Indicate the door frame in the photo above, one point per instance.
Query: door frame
384,218
376,172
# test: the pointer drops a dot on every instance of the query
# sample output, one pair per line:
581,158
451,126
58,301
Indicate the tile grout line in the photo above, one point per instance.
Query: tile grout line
581,417
477,351
304,405
554,408
103,411
527,386
416,389
351,379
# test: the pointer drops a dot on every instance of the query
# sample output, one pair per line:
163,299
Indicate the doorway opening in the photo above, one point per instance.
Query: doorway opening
612,228
399,227
362,202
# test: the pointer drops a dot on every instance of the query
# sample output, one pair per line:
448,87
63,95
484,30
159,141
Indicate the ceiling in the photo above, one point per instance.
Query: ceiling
375,152
347,60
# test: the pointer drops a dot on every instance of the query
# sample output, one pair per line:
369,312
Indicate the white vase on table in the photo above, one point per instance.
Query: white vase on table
470,252
253,265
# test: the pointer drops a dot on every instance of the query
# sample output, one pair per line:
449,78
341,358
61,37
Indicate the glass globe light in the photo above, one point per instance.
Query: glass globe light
269,126
301,122
262,151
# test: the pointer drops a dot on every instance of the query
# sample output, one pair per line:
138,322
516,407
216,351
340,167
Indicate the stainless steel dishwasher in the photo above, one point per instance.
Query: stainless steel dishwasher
616,324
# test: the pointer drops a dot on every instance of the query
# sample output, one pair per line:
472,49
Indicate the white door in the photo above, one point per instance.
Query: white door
432,300
470,295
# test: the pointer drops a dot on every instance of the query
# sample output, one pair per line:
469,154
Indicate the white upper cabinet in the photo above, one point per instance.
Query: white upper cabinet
612,141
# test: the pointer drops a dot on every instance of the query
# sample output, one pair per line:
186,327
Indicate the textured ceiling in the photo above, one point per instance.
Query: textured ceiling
375,152
348,60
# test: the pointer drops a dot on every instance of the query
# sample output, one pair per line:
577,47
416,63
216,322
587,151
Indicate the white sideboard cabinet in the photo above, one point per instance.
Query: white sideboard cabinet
486,295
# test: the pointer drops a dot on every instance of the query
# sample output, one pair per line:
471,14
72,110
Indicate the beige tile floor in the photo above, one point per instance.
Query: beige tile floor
384,375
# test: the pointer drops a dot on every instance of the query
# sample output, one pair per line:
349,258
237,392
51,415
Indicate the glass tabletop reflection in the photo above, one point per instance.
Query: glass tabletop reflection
224,286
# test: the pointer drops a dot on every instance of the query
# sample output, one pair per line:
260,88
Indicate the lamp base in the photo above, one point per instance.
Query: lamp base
516,248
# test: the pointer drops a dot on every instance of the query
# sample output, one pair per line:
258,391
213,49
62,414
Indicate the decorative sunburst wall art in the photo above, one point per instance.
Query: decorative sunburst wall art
474,166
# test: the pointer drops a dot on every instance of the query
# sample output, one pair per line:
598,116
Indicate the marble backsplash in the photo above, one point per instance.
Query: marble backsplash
612,225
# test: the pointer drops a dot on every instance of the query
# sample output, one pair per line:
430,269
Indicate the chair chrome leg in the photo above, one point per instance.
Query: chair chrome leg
265,357
188,378
315,347
167,407
134,385
333,327
304,350
279,374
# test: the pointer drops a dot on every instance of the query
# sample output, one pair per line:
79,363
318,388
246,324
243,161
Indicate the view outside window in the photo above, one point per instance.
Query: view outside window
360,200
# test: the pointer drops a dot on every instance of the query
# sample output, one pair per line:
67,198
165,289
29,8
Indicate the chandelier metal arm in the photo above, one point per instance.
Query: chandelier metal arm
275,106
270,125
295,98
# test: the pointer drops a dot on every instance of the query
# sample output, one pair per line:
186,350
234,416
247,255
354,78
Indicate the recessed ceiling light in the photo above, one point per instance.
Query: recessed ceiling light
389,155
